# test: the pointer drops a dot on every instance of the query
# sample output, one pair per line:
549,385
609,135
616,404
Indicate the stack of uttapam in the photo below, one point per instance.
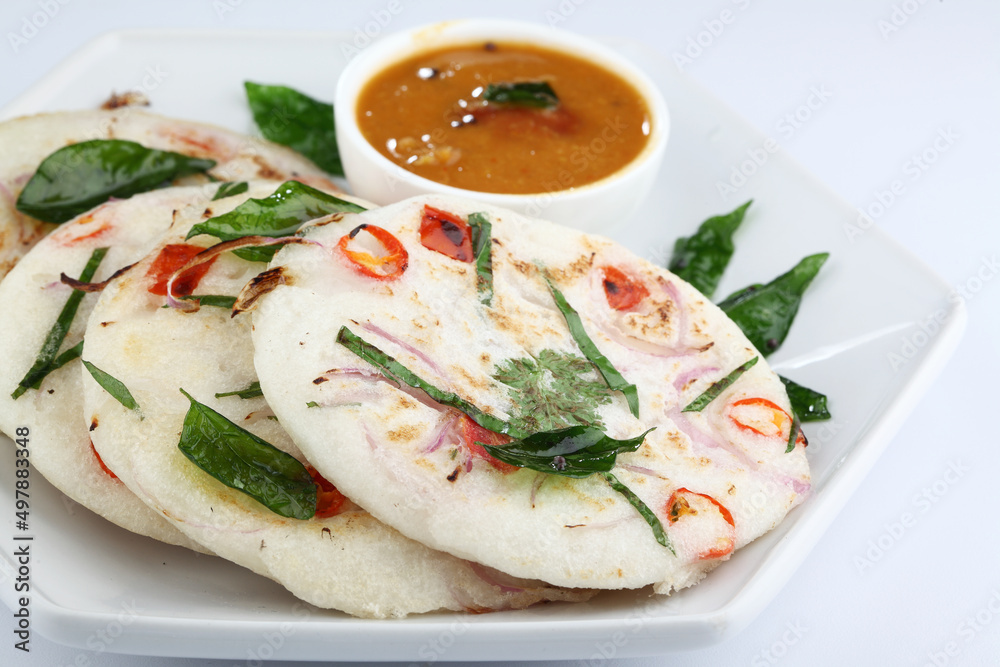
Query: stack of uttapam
436,404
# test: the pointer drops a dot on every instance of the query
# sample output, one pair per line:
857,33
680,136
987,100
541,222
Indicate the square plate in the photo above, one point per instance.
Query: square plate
102,588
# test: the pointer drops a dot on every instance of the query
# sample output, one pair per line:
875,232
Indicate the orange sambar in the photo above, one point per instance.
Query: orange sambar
426,114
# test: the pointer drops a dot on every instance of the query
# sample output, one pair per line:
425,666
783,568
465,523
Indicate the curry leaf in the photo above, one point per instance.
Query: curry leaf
643,510
280,214
113,386
242,461
765,312
793,432
702,257
230,189
482,246
610,374
808,404
251,391
400,374
710,394
78,177
575,451
47,361
293,119
537,94
214,300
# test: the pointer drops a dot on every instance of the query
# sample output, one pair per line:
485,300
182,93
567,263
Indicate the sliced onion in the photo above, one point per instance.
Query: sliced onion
214,251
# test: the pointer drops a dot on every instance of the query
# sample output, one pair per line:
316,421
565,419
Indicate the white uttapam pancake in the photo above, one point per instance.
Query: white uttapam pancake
32,297
28,140
348,561
716,479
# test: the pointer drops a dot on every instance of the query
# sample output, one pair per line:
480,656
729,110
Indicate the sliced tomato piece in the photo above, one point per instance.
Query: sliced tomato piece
473,434
329,500
685,502
763,417
100,462
172,258
622,291
388,260
446,233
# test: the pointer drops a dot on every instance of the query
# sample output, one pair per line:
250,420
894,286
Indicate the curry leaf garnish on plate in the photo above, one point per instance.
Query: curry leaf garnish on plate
765,312
535,94
78,177
242,461
400,374
702,257
290,118
250,391
710,394
113,386
482,248
808,404
230,189
553,391
48,358
610,374
280,214
643,510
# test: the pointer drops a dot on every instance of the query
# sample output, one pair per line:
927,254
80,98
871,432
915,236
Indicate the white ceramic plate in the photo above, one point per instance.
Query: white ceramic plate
99,587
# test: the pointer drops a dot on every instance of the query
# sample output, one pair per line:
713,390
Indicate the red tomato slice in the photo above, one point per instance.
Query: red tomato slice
329,500
446,233
762,417
473,434
681,504
623,292
388,264
100,462
172,258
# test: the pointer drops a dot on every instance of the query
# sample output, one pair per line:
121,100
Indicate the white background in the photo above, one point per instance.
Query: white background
892,75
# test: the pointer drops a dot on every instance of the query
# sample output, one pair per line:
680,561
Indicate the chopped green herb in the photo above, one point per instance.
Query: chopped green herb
113,386
230,189
643,509
482,245
553,391
242,461
251,391
280,214
702,257
47,361
765,312
537,94
810,405
710,394
610,374
290,118
78,177
312,404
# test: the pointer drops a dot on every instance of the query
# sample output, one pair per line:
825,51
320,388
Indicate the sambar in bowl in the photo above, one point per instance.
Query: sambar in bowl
538,120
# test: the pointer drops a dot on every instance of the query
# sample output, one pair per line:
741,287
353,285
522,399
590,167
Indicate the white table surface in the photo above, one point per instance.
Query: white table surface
886,78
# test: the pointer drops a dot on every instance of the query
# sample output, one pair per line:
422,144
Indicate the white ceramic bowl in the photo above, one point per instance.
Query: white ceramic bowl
593,207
